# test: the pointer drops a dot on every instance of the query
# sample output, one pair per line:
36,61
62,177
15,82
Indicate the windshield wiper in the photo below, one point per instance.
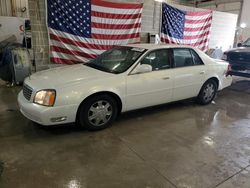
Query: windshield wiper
95,66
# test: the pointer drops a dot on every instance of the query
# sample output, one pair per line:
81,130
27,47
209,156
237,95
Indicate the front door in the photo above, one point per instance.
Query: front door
151,88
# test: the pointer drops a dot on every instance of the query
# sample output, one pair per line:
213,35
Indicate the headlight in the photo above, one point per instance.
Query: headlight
224,57
45,97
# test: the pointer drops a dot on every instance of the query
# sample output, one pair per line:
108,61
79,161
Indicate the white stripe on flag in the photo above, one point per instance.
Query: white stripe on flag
194,25
76,48
115,21
115,31
67,56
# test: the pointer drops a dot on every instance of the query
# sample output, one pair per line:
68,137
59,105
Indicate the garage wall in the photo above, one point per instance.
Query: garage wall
222,29
233,6
14,8
39,33
238,7
150,24
245,18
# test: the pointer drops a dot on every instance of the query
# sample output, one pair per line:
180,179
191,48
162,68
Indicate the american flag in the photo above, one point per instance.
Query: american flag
79,30
185,27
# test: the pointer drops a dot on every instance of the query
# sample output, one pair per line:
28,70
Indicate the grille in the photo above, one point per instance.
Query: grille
27,92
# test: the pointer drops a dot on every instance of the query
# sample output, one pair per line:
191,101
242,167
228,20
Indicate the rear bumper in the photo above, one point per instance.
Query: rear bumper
239,65
240,73
44,115
225,81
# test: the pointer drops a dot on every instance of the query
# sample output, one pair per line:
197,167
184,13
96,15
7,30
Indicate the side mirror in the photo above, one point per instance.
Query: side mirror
239,44
143,68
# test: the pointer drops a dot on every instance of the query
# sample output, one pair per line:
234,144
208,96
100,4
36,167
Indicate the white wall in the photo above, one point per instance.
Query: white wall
150,24
15,28
223,30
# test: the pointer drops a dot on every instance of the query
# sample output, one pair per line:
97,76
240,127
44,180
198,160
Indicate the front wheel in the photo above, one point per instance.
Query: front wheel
207,92
98,112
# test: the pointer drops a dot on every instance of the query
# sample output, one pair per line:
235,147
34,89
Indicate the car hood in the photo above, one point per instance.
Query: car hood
63,76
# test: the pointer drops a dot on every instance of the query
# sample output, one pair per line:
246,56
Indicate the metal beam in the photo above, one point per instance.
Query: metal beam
217,2
201,3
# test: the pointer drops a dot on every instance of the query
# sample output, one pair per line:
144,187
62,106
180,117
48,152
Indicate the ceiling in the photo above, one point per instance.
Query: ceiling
210,2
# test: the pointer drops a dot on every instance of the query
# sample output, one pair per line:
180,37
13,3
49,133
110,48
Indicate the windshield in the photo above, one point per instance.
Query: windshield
246,43
116,60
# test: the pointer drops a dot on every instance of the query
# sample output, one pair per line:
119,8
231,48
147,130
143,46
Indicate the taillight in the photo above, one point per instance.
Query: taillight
229,69
224,57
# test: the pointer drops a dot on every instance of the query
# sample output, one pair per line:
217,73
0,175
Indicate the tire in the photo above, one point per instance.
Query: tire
97,113
207,92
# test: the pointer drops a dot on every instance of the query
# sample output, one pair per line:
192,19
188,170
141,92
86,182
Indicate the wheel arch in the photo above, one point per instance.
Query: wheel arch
215,79
199,99
110,93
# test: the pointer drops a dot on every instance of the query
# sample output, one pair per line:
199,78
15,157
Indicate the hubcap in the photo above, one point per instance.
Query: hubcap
209,92
100,113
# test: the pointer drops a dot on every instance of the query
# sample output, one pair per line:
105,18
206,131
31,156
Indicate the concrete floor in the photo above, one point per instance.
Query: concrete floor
175,145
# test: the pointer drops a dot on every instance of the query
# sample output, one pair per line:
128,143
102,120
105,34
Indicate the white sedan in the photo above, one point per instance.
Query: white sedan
121,79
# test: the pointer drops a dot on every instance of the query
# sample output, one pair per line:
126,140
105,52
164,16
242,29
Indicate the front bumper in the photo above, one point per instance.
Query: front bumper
43,115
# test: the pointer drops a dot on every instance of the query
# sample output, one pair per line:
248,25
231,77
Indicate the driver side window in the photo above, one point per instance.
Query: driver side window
158,59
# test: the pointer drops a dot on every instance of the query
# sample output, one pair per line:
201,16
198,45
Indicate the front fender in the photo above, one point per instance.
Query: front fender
77,93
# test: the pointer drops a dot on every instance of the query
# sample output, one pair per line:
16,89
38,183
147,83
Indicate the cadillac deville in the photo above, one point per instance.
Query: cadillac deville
121,79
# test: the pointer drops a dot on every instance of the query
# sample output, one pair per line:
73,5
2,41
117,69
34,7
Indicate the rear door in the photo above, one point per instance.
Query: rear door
189,73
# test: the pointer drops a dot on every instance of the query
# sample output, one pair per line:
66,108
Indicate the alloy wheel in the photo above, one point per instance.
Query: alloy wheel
209,92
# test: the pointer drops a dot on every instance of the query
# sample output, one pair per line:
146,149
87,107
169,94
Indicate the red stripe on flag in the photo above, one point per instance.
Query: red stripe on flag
115,16
115,37
193,29
200,42
72,52
200,13
64,61
166,40
115,26
80,44
203,48
116,5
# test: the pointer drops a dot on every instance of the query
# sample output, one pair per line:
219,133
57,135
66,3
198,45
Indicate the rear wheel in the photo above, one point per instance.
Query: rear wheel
207,92
97,112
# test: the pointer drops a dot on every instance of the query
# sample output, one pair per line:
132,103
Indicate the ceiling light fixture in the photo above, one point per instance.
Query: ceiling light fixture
243,25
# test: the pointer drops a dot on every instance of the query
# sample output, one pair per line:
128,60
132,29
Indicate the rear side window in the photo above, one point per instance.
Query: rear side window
182,57
197,60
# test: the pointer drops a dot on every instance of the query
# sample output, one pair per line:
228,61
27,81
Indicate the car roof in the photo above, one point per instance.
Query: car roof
150,46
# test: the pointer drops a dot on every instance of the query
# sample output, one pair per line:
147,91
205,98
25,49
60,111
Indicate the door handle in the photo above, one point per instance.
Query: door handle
165,78
202,72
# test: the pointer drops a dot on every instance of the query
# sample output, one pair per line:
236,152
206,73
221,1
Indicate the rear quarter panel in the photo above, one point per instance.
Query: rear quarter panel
218,69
